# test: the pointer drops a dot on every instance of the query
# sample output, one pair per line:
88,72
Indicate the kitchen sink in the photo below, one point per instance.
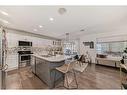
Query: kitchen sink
46,55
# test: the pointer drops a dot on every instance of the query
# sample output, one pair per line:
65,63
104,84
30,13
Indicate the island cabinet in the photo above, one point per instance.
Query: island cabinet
45,70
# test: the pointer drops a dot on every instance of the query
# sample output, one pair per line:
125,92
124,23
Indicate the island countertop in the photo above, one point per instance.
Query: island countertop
56,58
43,66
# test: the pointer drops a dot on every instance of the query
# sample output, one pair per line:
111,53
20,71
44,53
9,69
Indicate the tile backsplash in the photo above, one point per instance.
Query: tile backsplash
37,50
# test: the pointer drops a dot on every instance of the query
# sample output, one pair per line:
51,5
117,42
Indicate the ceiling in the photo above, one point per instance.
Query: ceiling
91,19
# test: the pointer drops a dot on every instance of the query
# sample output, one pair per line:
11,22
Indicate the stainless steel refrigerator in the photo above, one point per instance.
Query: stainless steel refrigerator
3,55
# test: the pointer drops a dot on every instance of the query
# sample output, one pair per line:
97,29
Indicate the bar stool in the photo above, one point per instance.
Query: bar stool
81,60
65,69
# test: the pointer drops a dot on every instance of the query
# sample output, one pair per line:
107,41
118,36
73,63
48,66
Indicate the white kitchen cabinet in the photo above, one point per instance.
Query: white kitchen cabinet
13,38
12,61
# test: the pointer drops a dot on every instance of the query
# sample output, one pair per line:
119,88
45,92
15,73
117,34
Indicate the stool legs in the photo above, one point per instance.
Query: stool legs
66,80
66,77
75,78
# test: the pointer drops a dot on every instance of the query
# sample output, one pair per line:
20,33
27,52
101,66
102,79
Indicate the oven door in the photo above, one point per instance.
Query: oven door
25,57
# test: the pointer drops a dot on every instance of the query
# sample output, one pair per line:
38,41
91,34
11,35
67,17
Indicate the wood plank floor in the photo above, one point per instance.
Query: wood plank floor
94,77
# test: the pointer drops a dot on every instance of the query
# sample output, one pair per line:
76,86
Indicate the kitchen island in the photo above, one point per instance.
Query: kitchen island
44,67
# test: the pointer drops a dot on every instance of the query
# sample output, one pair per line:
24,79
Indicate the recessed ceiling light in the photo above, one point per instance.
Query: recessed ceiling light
4,13
35,29
40,26
51,19
62,11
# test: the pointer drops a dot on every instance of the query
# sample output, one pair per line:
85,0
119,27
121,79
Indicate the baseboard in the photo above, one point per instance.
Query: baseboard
11,69
108,66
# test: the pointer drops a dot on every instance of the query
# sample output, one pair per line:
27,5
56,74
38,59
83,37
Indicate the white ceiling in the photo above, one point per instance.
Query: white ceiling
90,18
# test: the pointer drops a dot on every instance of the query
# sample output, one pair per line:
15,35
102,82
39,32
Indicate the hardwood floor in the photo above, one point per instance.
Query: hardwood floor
94,77
99,77
23,79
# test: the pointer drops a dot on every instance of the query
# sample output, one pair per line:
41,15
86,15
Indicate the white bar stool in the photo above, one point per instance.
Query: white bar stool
65,69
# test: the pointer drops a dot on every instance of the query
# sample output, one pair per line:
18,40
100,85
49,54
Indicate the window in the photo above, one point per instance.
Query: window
71,47
111,47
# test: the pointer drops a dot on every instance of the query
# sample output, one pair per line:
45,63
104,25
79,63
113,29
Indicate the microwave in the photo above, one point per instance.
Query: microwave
25,43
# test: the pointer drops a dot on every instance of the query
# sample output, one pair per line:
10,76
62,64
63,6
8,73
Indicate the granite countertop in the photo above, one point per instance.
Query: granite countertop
57,58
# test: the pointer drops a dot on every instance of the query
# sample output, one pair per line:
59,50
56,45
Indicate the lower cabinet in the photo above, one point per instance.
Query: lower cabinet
12,61
45,70
108,63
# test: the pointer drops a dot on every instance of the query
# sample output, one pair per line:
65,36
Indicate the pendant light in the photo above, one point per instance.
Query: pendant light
67,37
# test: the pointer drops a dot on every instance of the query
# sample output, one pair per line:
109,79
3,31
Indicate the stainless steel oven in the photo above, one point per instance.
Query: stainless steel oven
24,53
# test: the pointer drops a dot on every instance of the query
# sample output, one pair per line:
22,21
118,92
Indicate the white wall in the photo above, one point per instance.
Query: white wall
13,38
119,34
